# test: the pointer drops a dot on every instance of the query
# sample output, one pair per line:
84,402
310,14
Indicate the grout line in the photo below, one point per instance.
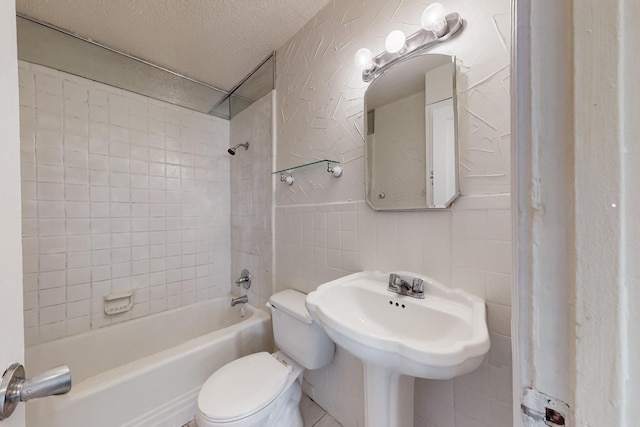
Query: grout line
320,419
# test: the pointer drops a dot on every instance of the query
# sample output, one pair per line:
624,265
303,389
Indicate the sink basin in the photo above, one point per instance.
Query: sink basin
399,337
441,336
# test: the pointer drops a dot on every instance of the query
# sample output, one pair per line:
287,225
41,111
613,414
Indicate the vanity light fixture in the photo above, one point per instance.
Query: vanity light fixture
433,19
396,42
364,59
437,27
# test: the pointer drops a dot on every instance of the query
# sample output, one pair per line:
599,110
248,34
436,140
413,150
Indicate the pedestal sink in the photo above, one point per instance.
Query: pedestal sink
399,337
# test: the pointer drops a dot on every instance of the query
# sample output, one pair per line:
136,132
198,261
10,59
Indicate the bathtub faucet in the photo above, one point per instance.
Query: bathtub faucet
239,300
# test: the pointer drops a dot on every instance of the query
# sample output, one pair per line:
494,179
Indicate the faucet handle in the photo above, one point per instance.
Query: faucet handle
417,286
245,279
393,280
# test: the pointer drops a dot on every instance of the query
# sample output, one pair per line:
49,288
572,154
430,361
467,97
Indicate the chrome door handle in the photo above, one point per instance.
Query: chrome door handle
14,388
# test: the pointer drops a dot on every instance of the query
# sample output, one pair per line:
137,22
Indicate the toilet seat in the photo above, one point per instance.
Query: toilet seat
242,388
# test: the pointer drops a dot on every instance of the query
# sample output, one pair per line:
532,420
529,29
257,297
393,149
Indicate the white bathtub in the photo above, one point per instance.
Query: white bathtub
145,372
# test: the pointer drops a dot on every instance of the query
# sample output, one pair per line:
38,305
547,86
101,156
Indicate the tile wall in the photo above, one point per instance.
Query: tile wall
252,199
324,230
468,247
120,192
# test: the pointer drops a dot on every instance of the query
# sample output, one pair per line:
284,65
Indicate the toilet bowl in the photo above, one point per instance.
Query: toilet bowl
262,389
256,390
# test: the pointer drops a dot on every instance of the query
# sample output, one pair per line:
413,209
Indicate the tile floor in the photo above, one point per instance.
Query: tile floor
315,416
312,415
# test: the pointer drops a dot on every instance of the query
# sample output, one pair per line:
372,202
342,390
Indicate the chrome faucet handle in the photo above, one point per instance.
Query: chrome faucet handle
402,287
393,281
417,286
245,279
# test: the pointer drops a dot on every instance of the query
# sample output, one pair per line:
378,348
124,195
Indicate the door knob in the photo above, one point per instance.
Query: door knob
14,388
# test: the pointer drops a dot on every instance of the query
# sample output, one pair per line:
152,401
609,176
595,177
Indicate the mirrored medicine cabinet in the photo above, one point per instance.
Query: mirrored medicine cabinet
411,146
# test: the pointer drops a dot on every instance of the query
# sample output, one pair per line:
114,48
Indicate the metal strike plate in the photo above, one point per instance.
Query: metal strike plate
539,409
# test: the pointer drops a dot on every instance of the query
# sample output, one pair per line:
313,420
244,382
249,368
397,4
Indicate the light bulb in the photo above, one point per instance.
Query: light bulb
363,58
433,19
395,41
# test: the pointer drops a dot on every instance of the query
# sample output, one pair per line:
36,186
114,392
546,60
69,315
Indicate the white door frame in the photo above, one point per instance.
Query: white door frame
542,198
11,332
576,161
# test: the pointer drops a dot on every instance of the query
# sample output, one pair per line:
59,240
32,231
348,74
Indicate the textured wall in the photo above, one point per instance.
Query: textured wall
119,192
320,110
324,230
251,199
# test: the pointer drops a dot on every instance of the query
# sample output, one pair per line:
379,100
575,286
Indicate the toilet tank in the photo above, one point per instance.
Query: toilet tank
296,334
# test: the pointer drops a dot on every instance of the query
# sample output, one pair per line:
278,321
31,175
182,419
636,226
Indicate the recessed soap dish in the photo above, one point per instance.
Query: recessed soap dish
118,302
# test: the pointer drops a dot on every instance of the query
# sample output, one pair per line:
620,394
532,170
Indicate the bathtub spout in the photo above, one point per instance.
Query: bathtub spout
239,300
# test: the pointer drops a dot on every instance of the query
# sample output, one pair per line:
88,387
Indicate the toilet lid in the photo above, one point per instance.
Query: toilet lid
242,387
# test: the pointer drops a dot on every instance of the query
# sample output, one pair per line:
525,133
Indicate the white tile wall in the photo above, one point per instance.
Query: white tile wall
318,243
120,192
466,247
251,199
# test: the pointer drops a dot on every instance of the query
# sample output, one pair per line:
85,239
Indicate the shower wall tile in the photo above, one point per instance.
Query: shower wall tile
120,193
251,199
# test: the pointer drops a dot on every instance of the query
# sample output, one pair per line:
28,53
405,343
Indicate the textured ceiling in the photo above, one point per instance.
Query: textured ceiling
215,41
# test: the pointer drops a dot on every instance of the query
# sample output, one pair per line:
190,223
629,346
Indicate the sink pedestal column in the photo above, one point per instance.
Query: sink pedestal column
388,397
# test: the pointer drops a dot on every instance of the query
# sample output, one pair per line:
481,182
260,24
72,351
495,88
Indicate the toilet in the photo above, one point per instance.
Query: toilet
264,389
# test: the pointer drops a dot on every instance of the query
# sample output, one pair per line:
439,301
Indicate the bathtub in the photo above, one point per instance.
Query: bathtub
148,371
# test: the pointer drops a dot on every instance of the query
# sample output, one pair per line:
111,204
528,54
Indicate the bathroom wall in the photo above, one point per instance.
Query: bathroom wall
468,247
320,90
252,199
325,230
119,193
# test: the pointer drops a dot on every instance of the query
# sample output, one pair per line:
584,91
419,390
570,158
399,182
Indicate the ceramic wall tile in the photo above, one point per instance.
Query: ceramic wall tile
100,204
251,201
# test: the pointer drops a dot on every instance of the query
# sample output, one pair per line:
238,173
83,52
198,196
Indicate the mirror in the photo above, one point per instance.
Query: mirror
411,152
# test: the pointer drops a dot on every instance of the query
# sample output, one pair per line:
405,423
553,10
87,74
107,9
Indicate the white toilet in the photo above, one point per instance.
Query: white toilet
264,389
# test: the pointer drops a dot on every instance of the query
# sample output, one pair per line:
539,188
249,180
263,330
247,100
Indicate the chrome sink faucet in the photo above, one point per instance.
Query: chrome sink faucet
402,287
